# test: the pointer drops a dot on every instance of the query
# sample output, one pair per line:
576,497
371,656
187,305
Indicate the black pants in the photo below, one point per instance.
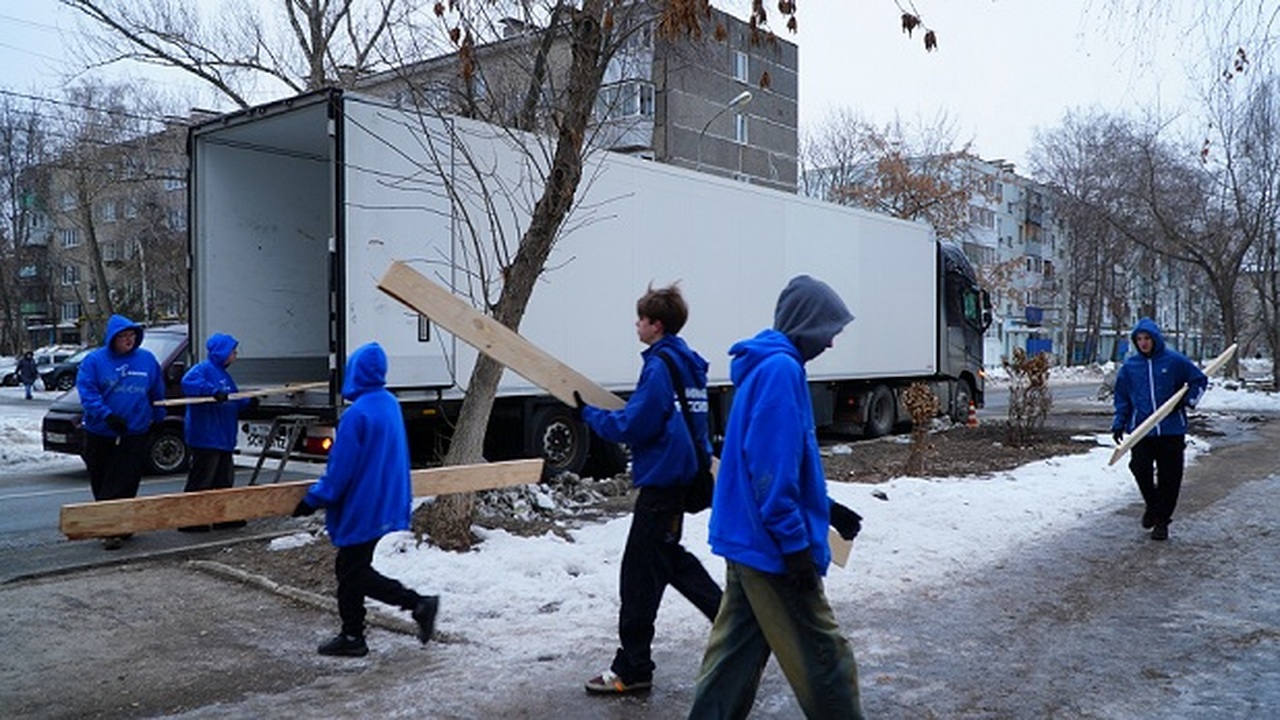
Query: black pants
652,560
357,580
115,465
210,470
1156,464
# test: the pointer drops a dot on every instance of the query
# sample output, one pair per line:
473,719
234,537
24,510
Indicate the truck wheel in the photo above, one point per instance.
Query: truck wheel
166,453
560,440
960,405
881,413
65,382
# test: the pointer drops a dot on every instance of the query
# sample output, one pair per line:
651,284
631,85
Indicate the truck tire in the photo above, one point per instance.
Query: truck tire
881,412
65,382
561,441
960,403
166,452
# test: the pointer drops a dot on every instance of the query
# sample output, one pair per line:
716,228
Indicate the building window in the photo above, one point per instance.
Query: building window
108,211
37,220
70,274
177,220
741,66
68,201
631,98
70,237
740,129
70,312
173,179
982,217
130,210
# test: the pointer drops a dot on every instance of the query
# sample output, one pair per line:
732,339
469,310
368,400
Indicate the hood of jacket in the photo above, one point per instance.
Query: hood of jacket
115,325
748,354
366,370
810,314
1148,326
220,347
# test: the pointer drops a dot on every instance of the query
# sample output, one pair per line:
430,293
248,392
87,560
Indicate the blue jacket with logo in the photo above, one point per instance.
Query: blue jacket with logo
212,426
643,423
1145,382
124,385
366,490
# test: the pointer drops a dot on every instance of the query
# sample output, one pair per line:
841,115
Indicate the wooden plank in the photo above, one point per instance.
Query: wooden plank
174,510
1165,408
261,392
493,338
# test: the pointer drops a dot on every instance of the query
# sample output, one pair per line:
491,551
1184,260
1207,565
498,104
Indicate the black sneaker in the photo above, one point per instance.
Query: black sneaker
425,615
1160,532
1148,520
345,646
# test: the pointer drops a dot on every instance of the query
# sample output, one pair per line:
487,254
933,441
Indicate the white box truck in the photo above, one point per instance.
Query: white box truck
298,208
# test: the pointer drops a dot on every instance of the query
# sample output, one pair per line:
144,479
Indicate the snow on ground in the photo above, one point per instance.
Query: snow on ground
928,530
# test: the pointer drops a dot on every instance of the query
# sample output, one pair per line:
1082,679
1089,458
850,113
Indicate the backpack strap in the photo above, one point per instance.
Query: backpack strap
684,407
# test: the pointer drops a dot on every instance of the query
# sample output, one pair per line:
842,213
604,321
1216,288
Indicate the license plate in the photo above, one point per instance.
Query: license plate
57,438
256,434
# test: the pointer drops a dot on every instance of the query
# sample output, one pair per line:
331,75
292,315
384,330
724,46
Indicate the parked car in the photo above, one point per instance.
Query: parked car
62,428
62,375
45,358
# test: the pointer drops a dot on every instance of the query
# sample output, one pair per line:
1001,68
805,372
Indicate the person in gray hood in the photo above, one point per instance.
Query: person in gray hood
769,520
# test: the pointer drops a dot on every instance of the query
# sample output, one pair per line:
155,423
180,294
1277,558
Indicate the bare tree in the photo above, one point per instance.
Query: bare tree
23,144
921,173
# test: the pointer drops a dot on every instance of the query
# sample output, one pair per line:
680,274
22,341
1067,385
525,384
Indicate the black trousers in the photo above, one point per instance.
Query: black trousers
115,465
210,470
357,580
652,560
1156,463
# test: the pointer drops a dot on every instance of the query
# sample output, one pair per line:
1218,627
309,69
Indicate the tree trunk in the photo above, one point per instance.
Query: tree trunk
448,521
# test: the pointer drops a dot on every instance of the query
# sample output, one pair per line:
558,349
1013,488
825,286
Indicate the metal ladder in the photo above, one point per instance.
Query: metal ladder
291,427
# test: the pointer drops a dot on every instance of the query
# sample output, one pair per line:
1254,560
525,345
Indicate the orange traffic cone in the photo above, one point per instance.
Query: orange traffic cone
973,416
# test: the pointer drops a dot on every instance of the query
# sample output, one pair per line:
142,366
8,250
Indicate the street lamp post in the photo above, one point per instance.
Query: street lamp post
742,98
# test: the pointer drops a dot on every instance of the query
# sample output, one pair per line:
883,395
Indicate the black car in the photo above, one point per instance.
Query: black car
62,430
62,375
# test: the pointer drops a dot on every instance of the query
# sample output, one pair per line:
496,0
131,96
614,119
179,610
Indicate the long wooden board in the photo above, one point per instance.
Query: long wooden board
260,392
1165,408
493,338
174,510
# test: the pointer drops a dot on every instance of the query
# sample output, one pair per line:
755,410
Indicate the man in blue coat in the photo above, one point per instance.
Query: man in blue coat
118,383
769,519
366,492
662,468
211,427
1147,379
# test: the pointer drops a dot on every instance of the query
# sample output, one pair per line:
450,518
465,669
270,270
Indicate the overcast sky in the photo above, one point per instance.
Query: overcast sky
1003,68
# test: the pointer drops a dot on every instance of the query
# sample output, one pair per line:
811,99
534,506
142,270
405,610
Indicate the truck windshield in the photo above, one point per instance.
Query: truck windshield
162,345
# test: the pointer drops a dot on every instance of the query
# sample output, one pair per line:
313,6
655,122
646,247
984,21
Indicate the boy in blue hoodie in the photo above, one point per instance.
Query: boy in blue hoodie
211,427
769,519
118,383
1145,381
653,557
366,492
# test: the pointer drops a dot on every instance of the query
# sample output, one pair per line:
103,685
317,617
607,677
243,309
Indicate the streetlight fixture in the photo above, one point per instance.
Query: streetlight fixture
741,99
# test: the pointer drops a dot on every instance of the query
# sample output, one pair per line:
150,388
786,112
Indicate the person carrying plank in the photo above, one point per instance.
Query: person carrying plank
210,428
118,383
661,468
366,492
1145,381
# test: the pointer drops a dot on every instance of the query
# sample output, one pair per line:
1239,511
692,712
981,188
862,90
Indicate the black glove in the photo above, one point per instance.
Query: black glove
303,509
117,424
846,522
801,573
1117,435
220,396
578,405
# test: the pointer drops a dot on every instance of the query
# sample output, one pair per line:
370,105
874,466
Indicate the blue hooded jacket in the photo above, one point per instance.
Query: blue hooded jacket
124,385
771,493
1145,382
643,423
366,490
212,426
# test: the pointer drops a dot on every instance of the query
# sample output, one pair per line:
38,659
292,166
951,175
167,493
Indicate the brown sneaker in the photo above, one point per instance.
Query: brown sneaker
607,683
